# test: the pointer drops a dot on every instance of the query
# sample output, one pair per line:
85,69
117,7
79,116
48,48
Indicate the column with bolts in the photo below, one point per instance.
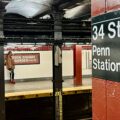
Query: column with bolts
2,84
57,65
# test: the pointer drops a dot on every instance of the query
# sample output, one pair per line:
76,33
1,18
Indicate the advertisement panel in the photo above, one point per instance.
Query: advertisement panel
26,58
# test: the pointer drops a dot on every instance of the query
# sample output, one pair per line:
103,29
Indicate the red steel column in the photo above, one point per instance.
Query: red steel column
99,97
113,100
106,93
98,7
77,65
113,88
113,5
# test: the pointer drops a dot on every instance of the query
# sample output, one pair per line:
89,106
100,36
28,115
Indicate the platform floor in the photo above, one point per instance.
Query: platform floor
37,89
41,85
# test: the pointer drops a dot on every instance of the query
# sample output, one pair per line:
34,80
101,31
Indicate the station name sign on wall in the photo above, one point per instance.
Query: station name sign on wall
26,58
106,46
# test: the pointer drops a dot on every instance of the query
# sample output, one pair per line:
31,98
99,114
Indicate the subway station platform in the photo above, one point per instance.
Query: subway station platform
37,89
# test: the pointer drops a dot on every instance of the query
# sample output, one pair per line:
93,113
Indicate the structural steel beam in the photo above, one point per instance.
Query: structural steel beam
57,66
2,84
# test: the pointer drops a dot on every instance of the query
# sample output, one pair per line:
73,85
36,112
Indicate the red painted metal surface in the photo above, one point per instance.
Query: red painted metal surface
77,65
113,5
113,100
98,7
89,47
106,94
34,48
99,99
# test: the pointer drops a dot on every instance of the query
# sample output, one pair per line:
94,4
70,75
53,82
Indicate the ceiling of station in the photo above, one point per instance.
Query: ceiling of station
76,27
68,6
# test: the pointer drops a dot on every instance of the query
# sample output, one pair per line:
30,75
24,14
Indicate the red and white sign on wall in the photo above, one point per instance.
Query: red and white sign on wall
26,58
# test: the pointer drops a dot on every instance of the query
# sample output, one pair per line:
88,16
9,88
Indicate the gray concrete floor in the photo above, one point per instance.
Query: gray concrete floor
41,85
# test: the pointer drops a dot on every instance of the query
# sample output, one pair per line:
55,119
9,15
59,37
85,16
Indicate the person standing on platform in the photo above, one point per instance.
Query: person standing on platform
10,65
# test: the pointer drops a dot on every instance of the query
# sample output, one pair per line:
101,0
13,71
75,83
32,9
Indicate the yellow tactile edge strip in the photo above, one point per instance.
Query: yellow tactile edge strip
46,93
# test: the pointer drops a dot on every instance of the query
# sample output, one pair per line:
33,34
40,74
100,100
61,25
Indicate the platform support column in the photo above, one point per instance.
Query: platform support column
57,66
2,84
77,53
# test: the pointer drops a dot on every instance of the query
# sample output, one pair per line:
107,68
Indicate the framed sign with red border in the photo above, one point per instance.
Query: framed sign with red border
26,58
